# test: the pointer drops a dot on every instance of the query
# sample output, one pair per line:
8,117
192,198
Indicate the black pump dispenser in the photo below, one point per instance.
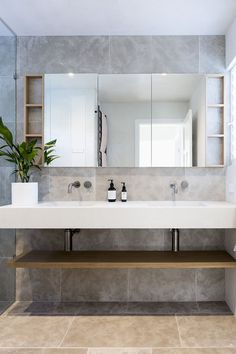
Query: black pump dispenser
123,192
111,193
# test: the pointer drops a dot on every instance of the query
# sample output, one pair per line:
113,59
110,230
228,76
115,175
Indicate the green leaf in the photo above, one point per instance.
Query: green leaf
5,133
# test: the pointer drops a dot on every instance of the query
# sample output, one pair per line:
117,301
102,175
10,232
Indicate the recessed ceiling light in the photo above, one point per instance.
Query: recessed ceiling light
164,74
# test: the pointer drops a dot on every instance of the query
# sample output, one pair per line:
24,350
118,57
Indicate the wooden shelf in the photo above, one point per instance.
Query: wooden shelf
216,136
33,135
123,259
215,166
216,105
34,110
30,105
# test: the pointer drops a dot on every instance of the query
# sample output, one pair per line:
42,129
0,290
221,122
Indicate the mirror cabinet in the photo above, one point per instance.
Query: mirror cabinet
128,120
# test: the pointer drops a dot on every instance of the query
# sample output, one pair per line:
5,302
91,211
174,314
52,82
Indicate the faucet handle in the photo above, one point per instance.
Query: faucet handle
184,185
75,184
174,187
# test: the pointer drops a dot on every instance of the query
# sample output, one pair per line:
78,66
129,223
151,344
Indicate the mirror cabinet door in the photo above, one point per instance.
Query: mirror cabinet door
70,117
124,120
178,120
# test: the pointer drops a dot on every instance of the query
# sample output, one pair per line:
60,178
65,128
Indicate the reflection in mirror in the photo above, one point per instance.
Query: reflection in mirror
70,106
178,120
125,110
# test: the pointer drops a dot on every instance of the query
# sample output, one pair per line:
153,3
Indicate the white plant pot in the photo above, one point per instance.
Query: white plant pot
24,193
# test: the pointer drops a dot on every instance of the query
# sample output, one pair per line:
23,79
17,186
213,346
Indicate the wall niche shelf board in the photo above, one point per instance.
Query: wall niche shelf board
216,105
34,109
123,259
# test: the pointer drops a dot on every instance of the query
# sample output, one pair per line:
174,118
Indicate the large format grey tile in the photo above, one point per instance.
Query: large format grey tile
7,98
94,285
37,239
197,239
175,54
214,308
161,285
38,284
7,281
162,308
210,285
7,243
105,239
7,55
130,54
212,54
63,54
4,305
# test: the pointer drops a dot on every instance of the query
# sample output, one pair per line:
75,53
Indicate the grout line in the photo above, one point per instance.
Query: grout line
128,284
69,327
180,339
195,283
60,284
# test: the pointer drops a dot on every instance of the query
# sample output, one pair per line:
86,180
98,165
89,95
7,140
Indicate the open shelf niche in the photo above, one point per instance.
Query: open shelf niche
215,111
34,110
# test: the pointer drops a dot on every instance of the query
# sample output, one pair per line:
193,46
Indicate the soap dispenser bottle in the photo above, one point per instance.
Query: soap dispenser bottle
123,192
111,193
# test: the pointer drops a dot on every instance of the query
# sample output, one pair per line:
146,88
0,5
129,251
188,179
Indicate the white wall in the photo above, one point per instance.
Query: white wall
230,240
231,44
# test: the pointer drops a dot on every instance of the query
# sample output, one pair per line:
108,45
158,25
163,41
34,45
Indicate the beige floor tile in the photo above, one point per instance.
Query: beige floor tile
65,351
119,351
194,351
207,331
127,331
33,331
21,351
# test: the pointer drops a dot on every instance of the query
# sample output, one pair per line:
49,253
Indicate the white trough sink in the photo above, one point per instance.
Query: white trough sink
133,214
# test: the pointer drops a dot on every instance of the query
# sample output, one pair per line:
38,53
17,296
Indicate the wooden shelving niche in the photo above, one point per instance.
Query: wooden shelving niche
34,110
215,112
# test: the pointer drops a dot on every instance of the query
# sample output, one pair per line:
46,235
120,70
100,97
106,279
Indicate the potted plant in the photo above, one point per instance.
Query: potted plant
25,157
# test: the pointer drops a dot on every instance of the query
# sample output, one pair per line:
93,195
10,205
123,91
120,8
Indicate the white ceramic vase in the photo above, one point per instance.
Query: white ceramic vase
24,194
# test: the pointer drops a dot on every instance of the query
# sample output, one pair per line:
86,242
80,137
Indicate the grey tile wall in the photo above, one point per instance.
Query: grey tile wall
121,54
8,113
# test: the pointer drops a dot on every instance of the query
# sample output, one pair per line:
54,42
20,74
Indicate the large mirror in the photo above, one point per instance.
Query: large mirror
70,117
125,109
126,120
178,120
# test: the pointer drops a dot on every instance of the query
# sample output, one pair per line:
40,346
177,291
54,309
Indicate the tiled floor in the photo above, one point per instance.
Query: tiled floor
52,332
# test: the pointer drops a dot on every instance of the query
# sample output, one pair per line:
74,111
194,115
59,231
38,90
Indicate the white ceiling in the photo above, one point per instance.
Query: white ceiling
118,17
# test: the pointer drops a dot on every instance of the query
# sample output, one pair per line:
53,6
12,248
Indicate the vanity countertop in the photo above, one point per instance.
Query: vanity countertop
118,215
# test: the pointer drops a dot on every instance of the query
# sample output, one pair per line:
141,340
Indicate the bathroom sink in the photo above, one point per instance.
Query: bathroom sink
118,215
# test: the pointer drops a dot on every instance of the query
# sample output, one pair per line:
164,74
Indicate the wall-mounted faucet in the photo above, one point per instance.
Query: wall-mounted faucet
174,190
75,184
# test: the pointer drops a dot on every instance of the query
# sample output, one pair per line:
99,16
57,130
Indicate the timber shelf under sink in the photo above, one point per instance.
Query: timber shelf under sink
123,259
